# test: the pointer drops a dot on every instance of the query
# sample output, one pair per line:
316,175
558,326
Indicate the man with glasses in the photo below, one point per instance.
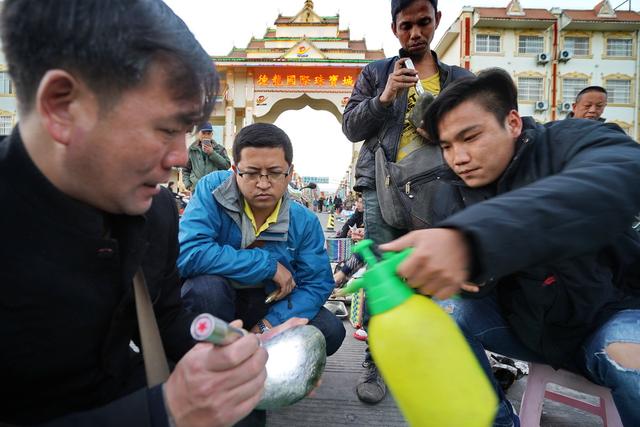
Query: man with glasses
247,251
205,156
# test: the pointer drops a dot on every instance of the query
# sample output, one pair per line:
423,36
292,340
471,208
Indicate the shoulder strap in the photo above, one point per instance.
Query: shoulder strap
155,361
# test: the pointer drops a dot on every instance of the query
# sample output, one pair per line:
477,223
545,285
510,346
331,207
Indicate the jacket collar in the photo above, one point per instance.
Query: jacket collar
228,196
125,234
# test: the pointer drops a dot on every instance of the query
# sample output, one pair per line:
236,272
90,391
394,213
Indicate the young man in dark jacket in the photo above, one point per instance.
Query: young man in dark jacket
378,112
106,93
545,233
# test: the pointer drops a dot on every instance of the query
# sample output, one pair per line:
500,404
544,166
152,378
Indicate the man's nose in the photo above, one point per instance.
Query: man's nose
263,182
176,155
460,156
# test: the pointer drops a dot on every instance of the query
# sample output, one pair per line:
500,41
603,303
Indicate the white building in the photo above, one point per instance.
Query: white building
8,105
553,54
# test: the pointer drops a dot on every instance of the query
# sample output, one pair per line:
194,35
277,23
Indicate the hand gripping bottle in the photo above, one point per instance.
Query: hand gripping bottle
425,360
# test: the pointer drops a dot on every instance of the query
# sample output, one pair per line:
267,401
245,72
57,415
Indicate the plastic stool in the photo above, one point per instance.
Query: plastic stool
535,393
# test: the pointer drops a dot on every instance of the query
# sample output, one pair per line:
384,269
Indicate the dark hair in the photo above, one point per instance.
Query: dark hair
110,45
398,6
262,135
493,89
591,89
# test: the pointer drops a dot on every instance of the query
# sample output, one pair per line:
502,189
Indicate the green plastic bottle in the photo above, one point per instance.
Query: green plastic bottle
421,353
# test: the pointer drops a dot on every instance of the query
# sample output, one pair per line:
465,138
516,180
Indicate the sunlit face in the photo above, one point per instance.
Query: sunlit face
414,27
262,193
590,105
475,145
117,157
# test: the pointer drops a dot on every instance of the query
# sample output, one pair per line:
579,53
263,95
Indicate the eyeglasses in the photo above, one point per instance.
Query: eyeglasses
257,176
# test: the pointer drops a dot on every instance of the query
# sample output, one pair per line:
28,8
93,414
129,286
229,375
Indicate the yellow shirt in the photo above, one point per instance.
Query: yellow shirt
271,219
410,139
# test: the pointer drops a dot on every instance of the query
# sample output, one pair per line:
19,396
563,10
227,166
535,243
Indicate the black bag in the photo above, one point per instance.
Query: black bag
407,189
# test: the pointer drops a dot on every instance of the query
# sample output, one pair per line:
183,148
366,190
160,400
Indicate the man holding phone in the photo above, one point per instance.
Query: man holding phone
205,156
378,112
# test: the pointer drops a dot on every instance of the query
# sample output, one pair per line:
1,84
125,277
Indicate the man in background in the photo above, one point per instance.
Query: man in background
378,112
590,104
205,156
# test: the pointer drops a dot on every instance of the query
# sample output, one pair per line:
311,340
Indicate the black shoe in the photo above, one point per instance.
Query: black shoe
371,387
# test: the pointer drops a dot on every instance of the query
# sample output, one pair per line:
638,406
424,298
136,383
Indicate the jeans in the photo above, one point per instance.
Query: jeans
484,327
216,295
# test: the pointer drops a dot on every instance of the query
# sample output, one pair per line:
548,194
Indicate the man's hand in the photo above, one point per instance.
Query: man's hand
339,277
217,386
401,78
357,234
284,280
290,323
438,265
207,148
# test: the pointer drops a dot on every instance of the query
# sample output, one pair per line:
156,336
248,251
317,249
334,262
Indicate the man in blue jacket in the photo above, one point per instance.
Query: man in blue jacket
242,239
545,231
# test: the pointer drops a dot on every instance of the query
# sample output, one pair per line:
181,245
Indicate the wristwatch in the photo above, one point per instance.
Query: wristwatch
263,328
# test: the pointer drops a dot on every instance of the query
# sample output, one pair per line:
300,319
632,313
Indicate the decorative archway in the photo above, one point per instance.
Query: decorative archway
305,60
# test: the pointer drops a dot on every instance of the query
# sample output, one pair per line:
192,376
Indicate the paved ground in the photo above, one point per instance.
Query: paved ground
336,404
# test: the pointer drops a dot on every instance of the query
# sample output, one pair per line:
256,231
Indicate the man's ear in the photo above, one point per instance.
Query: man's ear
438,17
573,107
393,28
57,92
290,176
514,123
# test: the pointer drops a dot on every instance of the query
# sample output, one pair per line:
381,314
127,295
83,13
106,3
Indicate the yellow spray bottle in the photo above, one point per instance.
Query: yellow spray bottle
421,353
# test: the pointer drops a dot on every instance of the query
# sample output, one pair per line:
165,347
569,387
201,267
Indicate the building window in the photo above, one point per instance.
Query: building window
487,43
571,87
619,47
530,44
579,46
618,91
529,88
6,125
6,85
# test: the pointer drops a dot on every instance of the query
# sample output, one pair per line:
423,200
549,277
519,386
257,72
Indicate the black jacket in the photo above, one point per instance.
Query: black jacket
555,234
67,309
365,118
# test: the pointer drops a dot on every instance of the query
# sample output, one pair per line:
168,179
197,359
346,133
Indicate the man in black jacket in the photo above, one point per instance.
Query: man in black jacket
106,92
378,111
545,233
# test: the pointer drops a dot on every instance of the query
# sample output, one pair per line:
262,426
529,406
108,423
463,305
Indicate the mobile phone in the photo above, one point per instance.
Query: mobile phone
207,142
408,63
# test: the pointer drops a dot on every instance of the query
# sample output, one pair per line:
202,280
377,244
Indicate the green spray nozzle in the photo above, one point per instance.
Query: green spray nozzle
384,288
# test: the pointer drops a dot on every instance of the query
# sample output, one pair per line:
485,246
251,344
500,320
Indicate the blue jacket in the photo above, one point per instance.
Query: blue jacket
214,232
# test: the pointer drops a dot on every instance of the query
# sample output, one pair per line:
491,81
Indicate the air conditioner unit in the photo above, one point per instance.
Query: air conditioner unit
542,58
564,107
565,55
541,106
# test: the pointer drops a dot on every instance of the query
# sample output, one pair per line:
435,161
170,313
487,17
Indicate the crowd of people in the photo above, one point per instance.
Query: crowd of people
533,228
